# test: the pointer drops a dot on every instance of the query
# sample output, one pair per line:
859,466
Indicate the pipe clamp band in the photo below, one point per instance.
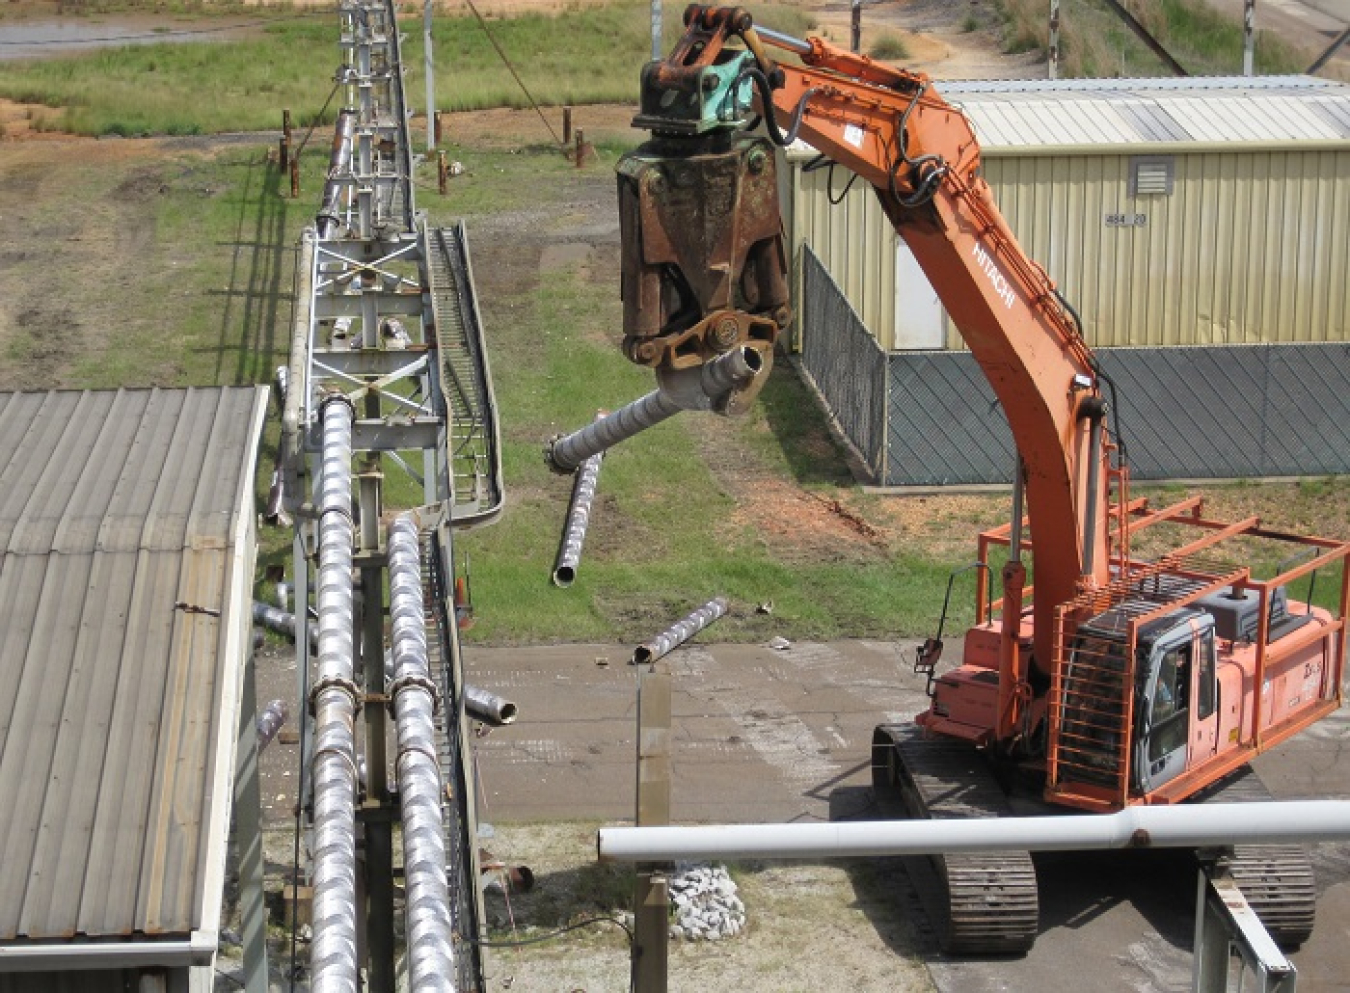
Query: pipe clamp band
407,751
347,686
415,679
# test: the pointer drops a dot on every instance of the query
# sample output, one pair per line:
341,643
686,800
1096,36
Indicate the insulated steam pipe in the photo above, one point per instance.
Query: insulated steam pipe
333,965
680,632
1181,826
430,953
339,164
700,391
578,519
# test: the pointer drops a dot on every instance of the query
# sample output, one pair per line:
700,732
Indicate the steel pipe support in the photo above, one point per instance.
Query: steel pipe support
706,387
1182,826
680,632
333,960
431,966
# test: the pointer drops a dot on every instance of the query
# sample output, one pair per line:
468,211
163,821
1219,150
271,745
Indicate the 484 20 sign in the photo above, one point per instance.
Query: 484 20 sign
1126,220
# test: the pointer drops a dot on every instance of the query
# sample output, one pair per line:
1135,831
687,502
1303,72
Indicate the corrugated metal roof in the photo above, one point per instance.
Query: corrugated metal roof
121,513
1098,113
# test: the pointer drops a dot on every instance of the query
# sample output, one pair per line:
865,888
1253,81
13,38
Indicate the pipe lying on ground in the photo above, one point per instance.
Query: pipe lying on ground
333,965
578,520
281,622
488,707
680,632
270,722
1181,826
429,922
704,388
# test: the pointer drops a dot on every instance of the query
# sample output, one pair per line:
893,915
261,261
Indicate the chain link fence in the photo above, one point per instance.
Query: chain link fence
1213,412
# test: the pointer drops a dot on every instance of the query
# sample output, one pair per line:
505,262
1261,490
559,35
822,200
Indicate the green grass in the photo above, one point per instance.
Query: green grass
889,48
591,55
1096,43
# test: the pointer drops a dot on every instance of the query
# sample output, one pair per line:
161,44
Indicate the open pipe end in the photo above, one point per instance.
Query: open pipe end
551,459
507,713
753,359
564,576
642,655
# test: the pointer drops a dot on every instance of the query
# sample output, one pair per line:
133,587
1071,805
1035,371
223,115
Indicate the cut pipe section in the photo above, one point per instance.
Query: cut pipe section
578,520
431,964
488,707
704,388
333,961
1182,826
680,632
280,621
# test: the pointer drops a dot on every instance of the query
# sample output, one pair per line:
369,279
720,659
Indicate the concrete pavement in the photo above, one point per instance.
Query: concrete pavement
773,736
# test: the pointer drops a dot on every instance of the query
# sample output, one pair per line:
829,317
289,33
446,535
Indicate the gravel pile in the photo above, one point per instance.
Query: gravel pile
705,901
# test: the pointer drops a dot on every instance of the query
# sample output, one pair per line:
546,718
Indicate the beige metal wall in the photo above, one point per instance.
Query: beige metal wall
1245,249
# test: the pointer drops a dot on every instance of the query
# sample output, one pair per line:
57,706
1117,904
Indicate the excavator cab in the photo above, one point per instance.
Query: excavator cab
1167,697
1177,701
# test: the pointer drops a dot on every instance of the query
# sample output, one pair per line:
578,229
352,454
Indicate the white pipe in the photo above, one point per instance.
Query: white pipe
333,965
1135,827
430,953
198,949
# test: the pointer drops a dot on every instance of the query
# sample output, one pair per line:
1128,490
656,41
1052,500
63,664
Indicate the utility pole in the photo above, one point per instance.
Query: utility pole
1249,38
1054,39
658,50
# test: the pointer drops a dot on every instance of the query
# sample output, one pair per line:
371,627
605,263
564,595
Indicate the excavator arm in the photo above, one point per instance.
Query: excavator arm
921,156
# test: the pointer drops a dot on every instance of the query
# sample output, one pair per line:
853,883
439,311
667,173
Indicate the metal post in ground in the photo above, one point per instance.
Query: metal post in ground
567,125
1249,37
1054,39
855,33
441,172
651,893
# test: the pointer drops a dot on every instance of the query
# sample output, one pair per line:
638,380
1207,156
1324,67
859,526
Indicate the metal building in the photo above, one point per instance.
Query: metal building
1206,212
126,570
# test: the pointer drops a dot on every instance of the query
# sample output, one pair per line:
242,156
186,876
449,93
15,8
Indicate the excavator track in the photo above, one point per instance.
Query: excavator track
1277,880
980,904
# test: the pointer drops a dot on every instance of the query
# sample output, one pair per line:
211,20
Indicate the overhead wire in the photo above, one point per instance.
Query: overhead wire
512,69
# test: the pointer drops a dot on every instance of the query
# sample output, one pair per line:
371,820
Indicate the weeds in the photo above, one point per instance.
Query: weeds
1094,42
889,48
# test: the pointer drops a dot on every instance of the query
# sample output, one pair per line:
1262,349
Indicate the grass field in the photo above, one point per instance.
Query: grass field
580,56
1095,42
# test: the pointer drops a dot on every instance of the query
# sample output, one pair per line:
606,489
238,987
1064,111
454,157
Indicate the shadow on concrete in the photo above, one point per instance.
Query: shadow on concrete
882,887
1076,888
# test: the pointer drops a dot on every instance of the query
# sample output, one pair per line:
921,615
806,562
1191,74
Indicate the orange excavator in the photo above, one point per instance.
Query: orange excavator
1149,664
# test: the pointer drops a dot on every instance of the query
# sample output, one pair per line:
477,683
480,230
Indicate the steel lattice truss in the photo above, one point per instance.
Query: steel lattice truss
387,326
